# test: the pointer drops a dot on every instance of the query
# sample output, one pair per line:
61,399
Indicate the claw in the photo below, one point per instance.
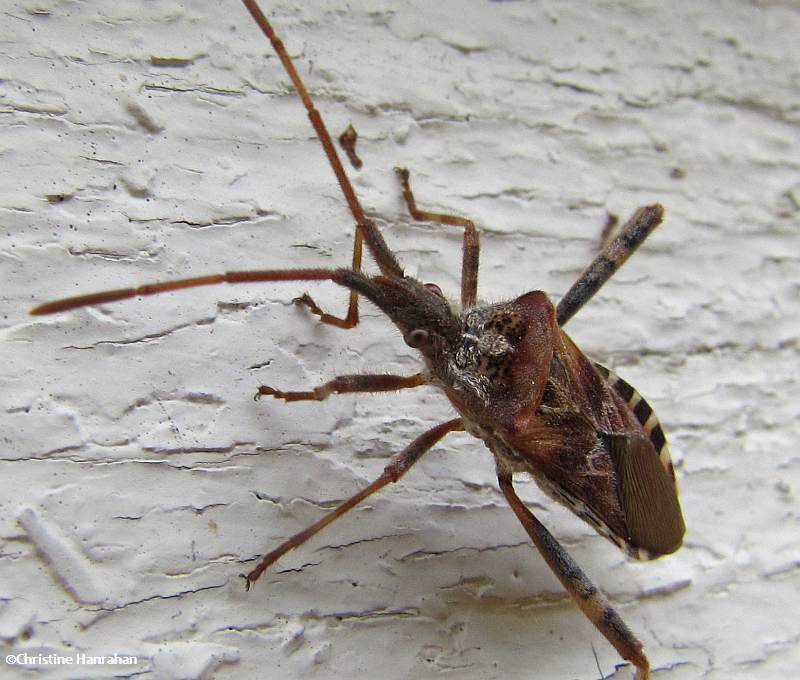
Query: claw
306,300
266,390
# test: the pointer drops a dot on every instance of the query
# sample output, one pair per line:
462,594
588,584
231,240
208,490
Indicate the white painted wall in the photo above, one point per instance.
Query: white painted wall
139,477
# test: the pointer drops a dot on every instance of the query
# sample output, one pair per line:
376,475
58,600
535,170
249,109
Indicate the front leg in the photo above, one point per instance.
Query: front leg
592,602
470,253
344,384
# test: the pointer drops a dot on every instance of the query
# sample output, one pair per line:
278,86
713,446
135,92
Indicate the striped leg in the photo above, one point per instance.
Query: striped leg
591,601
612,257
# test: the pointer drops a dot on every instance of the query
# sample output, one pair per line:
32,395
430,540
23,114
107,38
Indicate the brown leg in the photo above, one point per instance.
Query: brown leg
612,257
396,468
350,320
591,601
471,247
386,262
345,384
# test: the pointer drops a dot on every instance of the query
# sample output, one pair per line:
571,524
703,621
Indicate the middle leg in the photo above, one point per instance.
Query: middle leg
396,468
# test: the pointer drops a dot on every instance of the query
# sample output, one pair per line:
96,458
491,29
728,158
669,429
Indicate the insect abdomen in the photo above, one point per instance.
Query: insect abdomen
644,414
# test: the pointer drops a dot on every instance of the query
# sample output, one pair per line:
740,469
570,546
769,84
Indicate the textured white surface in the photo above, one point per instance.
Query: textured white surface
138,476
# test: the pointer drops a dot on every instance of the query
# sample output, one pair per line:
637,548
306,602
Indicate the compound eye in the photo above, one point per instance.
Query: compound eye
416,338
434,289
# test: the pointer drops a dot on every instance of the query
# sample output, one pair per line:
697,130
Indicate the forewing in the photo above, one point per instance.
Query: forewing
595,445
647,494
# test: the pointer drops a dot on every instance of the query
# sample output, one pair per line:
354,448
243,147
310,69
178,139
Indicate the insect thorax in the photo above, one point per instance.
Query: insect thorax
480,364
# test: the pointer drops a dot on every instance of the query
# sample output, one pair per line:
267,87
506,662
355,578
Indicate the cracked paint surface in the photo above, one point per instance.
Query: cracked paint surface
139,478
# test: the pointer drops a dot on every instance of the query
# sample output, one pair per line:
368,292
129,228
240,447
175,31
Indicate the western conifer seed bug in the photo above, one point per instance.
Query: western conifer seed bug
514,377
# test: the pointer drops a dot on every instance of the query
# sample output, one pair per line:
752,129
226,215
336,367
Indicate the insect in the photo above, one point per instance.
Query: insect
514,377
